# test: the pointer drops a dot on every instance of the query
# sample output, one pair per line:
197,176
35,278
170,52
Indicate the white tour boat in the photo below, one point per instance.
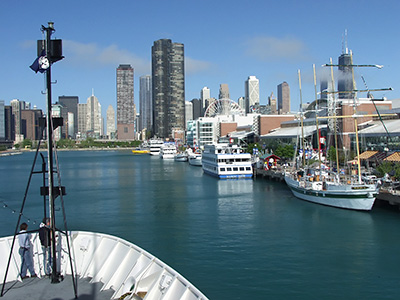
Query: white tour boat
226,161
168,150
155,145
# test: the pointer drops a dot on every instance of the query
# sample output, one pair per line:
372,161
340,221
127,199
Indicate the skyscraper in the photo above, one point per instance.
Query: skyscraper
93,117
283,98
110,131
205,94
272,103
223,91
168,88
70,104
251,93
125,103
345,80
146,105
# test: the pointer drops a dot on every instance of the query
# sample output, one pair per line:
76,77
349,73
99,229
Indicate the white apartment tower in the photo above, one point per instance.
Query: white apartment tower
251,93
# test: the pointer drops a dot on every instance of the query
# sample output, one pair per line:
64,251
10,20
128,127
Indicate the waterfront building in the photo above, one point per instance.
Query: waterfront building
2,121
126,110
110,132
272,103
30,127
188,111
16,107
9,127
168,88
146,104
283,98
70,106
251,93
205,95
82,121
224,91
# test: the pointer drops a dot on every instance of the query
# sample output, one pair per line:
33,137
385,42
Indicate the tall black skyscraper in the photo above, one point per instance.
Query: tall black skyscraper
168,82
345,79
70,103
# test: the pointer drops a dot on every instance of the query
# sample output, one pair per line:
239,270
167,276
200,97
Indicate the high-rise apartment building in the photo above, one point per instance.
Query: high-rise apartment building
110,119
251,93
283,98
146,104
168,88
126,111
70,115
223,91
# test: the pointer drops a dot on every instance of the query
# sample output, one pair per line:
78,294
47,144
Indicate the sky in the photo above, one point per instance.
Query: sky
224,42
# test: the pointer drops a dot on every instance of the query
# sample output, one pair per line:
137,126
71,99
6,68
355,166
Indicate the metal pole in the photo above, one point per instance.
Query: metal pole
54,274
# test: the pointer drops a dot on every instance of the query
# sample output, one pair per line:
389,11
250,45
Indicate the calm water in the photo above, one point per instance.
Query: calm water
233,239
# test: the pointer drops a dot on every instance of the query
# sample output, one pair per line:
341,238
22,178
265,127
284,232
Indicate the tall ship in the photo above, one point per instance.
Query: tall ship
226,161
155,145
106,266
323,186
167,150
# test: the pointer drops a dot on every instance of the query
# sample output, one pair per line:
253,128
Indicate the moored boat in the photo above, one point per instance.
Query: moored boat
181,156
140,151
167,150
328,191
226,161
155,145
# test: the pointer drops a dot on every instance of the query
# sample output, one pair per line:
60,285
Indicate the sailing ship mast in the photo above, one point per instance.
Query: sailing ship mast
354,116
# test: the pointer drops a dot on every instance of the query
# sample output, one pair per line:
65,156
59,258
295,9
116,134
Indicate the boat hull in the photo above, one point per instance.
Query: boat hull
229,176
195,161
118,264
335,196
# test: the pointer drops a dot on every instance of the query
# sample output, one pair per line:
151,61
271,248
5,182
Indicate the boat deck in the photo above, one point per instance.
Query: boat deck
42,288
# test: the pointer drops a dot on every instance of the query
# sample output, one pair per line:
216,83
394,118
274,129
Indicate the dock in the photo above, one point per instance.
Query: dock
271,174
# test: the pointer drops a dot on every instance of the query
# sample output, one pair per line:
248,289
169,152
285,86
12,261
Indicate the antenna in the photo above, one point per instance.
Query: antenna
345,49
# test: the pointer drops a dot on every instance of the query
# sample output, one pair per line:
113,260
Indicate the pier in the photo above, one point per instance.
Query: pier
272,174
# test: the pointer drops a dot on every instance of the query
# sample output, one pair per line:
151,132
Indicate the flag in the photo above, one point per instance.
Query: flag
41,63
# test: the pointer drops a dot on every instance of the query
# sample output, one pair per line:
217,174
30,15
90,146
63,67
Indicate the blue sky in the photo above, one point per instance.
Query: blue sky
225,42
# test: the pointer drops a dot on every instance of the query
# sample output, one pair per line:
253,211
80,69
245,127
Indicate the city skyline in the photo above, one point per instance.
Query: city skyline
226,51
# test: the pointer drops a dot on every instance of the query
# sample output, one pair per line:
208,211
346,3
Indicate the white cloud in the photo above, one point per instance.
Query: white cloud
193,66
268,48
92,55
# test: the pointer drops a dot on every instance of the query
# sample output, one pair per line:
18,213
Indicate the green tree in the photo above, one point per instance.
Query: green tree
384,168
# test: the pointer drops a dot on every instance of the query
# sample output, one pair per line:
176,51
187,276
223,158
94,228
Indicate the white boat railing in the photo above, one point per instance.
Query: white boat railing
119,265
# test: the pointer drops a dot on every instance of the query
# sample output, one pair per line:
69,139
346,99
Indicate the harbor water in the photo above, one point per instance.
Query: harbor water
233,239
